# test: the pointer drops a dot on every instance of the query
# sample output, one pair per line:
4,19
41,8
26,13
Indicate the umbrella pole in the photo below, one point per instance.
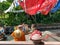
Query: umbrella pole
34,19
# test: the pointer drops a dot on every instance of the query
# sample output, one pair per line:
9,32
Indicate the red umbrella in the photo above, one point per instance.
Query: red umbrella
31,6
47,6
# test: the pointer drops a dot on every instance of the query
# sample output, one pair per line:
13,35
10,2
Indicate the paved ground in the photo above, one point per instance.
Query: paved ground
54,38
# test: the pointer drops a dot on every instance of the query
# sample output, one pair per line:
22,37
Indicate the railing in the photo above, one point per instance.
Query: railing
26,43
53,26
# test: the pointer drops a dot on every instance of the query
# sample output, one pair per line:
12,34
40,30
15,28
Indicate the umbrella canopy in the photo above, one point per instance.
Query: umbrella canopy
33,6
57,6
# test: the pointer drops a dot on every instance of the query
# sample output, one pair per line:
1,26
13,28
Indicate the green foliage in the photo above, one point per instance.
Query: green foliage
4,6
10,1
18,18
18,8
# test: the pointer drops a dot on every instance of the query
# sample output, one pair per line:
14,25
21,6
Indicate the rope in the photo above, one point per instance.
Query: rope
24,5
34,19
17,11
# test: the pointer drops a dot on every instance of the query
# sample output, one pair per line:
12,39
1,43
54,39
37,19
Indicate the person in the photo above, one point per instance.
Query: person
1,30
25,28
43,36
18,34
2,34
33,27
36,37
15,27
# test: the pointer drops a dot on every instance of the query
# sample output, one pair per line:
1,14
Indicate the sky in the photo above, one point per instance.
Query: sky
2,0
